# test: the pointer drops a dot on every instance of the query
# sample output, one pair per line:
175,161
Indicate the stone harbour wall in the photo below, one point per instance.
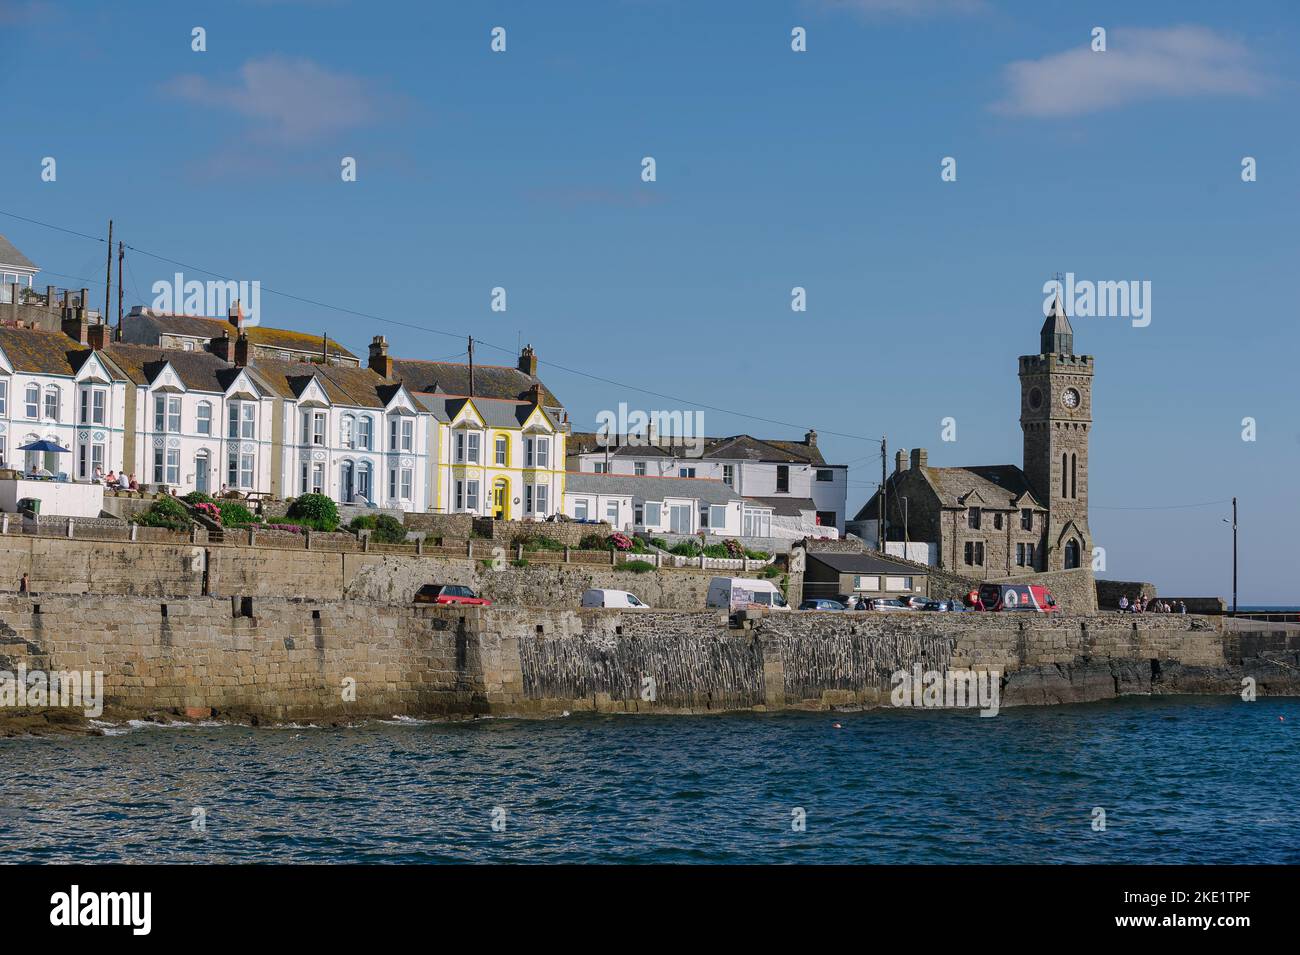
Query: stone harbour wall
257,659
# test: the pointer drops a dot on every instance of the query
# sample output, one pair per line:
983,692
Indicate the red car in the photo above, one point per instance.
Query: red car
1032,597
450,594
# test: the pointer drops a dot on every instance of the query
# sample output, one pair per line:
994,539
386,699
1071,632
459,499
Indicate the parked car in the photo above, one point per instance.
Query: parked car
888,605
450,594
945,606
737,593
1034,598
821,603
916,601
611,598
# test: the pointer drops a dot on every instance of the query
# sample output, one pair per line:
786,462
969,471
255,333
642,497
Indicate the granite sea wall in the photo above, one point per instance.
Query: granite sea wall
258,659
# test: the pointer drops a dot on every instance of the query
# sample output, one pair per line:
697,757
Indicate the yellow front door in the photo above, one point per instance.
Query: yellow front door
501,499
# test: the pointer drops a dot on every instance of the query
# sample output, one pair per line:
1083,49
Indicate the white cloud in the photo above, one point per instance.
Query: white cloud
1139,64
289,100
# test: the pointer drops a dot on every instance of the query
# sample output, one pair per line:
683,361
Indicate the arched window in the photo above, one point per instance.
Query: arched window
1071,554
1074,475
1065,474
52,402
365,426
346,431
205,417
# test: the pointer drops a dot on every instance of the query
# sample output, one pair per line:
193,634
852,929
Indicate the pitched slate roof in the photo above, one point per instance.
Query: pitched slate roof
996,484
9,255
343,384
862,564
451,378
649,488
742,447
197,370
40,352
147,326
496,412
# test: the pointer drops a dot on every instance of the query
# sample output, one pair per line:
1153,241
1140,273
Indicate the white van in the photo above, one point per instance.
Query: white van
611,598
737,593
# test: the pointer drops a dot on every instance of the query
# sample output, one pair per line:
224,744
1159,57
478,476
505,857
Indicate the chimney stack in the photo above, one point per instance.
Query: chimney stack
241,349
919,458
75,325
528,361
97,336
235,314
810,438
380,363
223,348
535,393
900,461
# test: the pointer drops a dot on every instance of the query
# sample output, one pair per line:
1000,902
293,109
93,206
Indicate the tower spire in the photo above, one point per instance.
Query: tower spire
1056,336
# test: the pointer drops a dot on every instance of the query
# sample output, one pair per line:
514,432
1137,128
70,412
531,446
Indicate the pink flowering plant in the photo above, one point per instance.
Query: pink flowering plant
620,541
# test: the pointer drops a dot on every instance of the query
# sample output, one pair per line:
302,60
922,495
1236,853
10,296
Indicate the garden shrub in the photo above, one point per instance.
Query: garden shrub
316,511
637,566
165,512
384,528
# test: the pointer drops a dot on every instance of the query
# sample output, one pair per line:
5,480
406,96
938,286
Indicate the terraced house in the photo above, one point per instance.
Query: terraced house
349,433
794,491
197,423
62,388
498,434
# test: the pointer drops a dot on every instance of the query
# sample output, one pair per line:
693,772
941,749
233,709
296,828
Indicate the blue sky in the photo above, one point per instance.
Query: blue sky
775,169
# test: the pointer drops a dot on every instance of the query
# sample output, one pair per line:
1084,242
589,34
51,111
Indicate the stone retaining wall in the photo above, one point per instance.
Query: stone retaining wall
292,659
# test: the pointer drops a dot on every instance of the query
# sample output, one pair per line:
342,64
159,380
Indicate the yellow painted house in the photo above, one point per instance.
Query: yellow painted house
495,457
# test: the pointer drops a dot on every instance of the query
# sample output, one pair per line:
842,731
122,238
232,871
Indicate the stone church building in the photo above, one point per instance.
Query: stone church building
1002,520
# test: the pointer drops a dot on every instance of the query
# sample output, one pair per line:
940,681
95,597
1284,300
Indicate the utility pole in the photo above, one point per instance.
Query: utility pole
121,254
108,273
471,366
880,501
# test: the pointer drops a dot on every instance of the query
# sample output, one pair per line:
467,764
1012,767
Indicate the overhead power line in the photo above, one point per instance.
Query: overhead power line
440,331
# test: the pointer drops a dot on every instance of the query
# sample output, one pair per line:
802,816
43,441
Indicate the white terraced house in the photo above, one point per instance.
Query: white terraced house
805,495
200,424
350,434
663,505
55,389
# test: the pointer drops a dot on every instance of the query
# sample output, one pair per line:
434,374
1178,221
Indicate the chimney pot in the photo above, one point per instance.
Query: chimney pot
528,361
810,438
380,363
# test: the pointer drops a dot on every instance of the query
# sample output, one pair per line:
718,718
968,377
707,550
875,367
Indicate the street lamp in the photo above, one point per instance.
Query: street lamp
1234,555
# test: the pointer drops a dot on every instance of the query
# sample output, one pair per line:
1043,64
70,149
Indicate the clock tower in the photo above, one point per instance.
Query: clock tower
1056,417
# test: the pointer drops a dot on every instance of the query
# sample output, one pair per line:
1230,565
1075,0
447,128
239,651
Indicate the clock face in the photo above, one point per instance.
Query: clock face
1070,397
